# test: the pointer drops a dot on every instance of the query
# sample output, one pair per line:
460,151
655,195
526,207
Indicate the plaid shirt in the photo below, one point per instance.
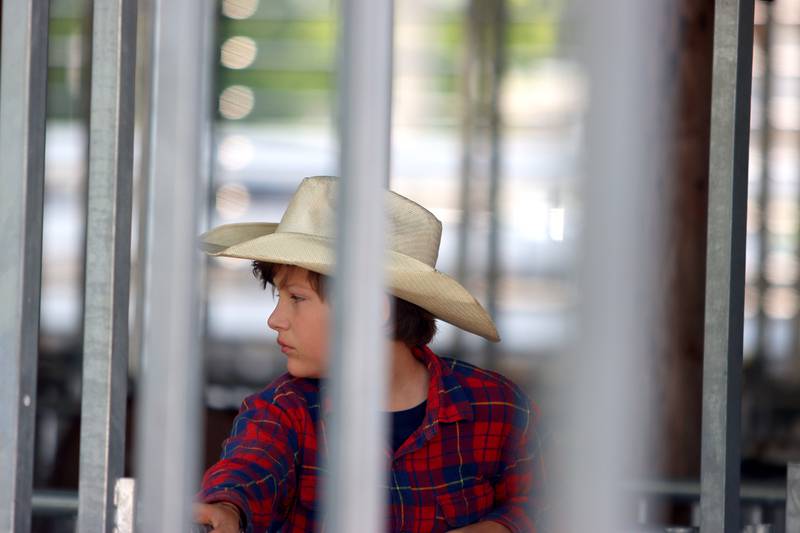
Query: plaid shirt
475,456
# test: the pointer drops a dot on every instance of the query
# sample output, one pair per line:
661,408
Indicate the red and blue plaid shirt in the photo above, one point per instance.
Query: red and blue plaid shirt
475,457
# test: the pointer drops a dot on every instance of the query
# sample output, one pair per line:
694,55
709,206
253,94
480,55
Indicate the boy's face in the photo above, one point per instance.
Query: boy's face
301,320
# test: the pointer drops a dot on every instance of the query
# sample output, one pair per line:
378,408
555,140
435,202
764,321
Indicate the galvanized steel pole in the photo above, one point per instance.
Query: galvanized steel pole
765,195
23,90
727,211
108,245
481,150
145,43
792,498
495,68
170,393
621,232
355,500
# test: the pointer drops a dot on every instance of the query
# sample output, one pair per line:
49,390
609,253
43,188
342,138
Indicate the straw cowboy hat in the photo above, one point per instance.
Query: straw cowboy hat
304,237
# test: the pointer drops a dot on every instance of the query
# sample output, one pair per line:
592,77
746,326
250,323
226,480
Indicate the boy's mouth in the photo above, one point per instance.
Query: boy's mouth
284,347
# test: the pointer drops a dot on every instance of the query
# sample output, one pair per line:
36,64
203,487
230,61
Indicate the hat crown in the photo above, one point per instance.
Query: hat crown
413,230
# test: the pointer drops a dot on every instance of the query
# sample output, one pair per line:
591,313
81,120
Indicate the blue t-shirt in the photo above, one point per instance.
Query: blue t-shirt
404,423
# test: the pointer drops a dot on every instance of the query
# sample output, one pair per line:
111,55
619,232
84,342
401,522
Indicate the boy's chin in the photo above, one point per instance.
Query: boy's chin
301,371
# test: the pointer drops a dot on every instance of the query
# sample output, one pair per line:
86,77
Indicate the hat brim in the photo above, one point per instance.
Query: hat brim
407,278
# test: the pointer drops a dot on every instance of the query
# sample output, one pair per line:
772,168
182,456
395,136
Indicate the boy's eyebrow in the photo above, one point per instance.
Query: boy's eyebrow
295,285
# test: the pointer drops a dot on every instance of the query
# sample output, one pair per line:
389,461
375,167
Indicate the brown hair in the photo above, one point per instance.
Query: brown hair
413,325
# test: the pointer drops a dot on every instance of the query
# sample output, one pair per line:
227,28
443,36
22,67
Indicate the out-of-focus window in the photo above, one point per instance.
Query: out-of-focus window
772,304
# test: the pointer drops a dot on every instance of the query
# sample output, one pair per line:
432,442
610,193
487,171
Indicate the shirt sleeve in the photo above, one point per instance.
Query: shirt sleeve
256,471
521,477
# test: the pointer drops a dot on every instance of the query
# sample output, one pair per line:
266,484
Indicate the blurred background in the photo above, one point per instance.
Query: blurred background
489,111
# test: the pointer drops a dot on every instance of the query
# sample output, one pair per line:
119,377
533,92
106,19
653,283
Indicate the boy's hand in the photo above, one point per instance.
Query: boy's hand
223,517
482,527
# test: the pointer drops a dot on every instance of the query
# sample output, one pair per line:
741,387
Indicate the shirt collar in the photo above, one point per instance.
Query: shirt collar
447,400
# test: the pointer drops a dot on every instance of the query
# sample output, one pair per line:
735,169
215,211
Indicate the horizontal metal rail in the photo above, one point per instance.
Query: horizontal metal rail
66,501
49,502
690,490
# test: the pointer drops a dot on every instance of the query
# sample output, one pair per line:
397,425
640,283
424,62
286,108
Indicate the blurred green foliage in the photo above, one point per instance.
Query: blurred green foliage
301,81
294,73
67,20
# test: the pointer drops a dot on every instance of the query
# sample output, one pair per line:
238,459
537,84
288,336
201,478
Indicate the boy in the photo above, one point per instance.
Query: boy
463,442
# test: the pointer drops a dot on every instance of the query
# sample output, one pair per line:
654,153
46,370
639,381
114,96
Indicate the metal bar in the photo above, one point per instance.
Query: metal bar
145,49
727,209
55,502
481,146
84,118
108,245
620,209
356,461
169,423
23,90
764,198
125,503
495,67
468,88
795,347
793,498
690,490
724,315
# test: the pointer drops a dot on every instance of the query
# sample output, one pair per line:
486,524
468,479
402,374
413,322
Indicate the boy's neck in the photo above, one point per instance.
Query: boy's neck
408,378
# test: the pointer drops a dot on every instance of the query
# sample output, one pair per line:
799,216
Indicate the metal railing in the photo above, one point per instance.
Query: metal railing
23,88
360,363
170,389
727,216
172,366
108,249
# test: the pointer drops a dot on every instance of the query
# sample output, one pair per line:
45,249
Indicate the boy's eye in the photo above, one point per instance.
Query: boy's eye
296,298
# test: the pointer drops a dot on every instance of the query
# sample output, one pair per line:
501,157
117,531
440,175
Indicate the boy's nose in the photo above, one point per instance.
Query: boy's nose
275,320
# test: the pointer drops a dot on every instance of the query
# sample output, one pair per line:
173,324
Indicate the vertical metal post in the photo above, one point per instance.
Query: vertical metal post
616,316
495,67
354,500
125,503
727,209
170,392
766,145
793,498
481,145
108,245
23,90
145,43
466,170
